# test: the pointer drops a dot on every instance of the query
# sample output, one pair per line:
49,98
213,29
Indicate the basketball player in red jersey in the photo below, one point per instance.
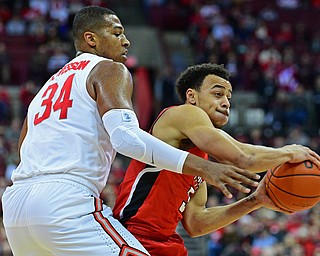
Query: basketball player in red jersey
151,203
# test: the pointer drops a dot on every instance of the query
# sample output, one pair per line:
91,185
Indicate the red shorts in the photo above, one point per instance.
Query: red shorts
173,246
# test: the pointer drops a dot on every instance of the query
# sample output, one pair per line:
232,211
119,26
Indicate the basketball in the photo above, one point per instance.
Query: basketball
294,186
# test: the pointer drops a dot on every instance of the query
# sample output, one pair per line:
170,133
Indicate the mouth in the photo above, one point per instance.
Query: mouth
224,112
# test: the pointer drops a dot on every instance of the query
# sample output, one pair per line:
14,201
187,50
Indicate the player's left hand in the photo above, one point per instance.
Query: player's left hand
303,153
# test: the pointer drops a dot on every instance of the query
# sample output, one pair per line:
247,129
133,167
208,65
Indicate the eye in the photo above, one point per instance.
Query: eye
117,32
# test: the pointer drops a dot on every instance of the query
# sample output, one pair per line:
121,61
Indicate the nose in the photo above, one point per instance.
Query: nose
125,42
226,103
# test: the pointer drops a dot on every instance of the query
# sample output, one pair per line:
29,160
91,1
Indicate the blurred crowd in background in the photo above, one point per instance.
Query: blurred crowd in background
271,48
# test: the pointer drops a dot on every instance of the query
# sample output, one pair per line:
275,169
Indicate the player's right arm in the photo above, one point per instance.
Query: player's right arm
199,220
110,85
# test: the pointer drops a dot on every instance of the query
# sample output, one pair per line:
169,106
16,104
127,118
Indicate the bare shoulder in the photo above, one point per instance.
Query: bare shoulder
180,117
110,75
111,68
110,84
177,122
184,112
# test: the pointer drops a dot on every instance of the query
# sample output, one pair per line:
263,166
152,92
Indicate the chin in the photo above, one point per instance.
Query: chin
221,124
220,121
124,58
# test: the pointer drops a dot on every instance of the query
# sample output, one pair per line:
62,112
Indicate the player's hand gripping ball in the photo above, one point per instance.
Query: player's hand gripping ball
294,186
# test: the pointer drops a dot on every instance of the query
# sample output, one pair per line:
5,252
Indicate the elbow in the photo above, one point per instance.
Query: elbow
193,232
199,231
193,235
196,229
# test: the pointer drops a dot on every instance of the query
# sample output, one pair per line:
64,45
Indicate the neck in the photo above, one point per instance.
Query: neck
78,53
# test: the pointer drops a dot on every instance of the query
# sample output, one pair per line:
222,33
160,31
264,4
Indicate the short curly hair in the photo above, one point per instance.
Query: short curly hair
194,76
89,18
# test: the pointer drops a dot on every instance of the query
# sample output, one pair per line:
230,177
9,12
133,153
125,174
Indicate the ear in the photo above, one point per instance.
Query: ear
89,37
191,96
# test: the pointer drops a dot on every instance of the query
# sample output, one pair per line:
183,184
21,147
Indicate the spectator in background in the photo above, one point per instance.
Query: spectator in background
164,89
5,12
269,57
287,74
12,132
42,6
302,35
261,32
221,30
37,29
59,11
74,6
298,113
5,107
305,72
16,26
267,89
315,42
57,60
268,13
298,135
5,71
38,71
263,239
284,36
288,4
27,93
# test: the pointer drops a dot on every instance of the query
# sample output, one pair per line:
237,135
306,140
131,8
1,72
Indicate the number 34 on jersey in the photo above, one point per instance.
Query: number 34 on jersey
62,103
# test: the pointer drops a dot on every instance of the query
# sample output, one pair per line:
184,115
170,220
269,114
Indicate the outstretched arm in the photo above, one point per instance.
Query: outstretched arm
110,84
197,127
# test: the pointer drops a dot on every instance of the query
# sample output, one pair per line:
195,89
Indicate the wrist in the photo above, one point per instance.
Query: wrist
194,165
254,201
287,152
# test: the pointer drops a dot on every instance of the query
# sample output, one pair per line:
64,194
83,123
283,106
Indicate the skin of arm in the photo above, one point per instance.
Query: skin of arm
196,126
199,220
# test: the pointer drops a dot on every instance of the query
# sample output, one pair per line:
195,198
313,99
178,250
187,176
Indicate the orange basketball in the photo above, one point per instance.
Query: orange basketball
294,187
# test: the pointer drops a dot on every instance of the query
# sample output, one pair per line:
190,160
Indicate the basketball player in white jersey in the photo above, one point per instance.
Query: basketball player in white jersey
75,125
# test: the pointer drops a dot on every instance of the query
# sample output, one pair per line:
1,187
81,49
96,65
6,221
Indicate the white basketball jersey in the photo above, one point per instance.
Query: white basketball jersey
65,130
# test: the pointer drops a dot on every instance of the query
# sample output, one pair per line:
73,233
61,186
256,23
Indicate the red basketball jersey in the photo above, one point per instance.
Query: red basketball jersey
151,201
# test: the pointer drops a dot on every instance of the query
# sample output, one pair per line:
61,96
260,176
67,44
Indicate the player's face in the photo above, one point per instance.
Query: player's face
214,98
111,41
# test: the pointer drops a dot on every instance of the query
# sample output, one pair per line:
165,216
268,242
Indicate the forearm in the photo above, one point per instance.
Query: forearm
254,158
128,139
207,220
261,158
